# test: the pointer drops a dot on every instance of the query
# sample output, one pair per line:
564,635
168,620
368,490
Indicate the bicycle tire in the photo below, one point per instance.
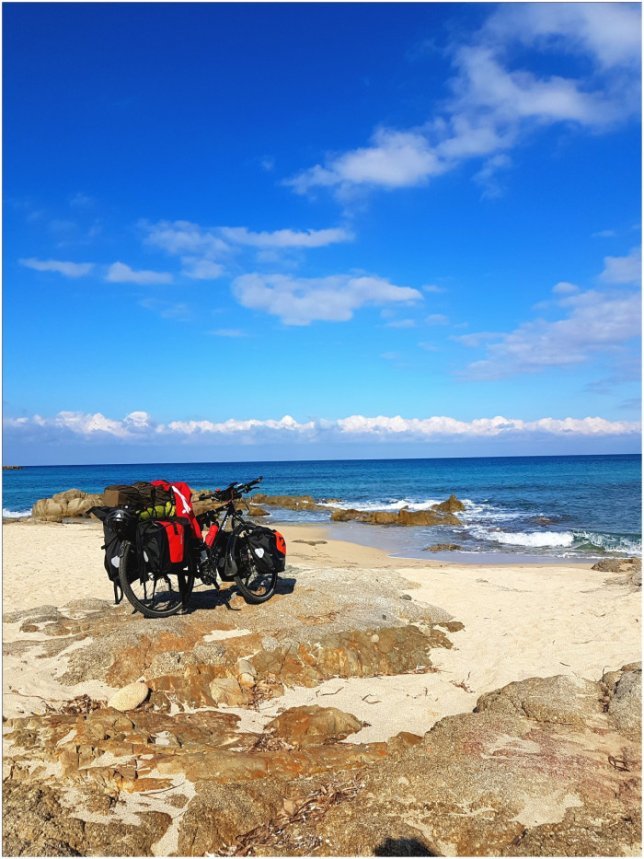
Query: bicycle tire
246,563
126,560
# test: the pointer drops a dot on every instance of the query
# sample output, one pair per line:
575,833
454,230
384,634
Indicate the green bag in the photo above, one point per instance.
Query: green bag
159,511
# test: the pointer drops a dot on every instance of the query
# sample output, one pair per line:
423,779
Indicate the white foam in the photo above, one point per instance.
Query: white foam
15,514
391,504
610,542
535,539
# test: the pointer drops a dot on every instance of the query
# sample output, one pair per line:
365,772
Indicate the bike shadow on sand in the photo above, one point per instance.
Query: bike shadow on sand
210,598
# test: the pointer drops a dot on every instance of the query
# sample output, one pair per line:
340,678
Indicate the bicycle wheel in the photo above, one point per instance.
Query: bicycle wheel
155,595
256,586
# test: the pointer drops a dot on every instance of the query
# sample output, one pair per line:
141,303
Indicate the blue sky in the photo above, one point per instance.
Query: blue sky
296,231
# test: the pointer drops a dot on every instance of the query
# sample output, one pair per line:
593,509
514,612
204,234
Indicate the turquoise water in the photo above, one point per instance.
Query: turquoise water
592,504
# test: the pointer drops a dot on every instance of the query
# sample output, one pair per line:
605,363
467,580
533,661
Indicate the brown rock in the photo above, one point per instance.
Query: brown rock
442,547
71,503
452,505
312,726
289,502
227,691
401,517
619,565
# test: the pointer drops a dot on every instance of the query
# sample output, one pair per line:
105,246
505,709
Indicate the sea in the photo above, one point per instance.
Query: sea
538,507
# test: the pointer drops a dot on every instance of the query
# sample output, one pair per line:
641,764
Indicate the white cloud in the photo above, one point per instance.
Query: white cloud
627,270
68,269
564,288
595,322
445,426
202,249
201,269
608,32
286,238
493,106
119,272
394,159
299,300
139,426
205,252
436,319
229,332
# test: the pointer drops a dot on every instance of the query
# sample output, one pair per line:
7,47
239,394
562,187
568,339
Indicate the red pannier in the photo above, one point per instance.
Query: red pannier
161,544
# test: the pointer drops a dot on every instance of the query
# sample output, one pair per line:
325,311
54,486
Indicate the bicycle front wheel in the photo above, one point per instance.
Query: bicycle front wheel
154,595
255,585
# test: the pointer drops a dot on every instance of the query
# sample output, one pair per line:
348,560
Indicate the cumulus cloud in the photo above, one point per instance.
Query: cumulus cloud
119,272
594,322
67,269
139,426
626,270
204,251
492,106
608,32
300,300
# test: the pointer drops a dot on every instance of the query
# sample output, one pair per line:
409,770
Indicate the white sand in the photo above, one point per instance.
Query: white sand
520,621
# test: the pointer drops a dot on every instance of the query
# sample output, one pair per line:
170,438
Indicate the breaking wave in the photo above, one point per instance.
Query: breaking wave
534,540
15,514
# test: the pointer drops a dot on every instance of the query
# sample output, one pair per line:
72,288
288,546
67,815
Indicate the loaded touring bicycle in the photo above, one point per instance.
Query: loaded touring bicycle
155,548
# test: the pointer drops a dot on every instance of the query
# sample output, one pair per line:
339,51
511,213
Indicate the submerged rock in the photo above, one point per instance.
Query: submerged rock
442,547
289,502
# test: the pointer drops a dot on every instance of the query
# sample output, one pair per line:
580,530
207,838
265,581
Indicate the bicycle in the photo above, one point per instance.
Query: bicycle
225,553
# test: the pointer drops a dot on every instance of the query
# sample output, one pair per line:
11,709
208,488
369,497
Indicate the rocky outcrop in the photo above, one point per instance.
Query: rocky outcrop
439,514
401,517
619,565
70,504
288,502
442,547
629,568
544,766
452,505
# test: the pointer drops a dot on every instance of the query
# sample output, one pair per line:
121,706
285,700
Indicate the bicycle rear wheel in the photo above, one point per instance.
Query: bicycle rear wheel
255,585
154,595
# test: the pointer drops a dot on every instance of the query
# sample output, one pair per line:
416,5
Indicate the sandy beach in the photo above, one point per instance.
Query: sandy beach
519,621
365,674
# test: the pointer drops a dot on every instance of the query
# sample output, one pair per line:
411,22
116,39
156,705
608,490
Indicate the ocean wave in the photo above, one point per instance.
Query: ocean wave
534,540
391,504
625,544
581,541
15,514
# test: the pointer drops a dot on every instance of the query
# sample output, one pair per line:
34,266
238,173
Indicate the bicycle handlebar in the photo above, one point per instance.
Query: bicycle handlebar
232,491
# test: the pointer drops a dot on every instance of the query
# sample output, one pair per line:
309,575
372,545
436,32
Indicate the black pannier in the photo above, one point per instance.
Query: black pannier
267,548
117,527
161,545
